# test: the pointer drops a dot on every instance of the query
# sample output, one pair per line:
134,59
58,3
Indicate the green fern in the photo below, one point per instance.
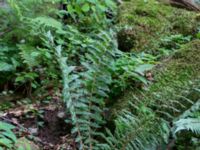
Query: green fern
29,55
84,92
46,22
6,67
190,124
186,121
7,137
137,132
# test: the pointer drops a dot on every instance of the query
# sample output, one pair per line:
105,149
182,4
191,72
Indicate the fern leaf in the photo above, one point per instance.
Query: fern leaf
6,67
132,132
190,124
48,22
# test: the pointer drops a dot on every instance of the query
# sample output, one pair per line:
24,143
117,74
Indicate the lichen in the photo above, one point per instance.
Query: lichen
151,21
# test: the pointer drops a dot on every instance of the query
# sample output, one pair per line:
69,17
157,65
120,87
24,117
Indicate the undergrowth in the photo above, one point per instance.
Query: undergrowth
145,23
85,50
75,51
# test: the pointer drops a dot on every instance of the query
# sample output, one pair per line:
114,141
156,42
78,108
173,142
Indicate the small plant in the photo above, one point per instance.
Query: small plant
171,43
130,68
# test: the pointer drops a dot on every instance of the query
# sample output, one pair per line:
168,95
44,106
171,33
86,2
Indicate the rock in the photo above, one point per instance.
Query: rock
61,115
33,131
126,38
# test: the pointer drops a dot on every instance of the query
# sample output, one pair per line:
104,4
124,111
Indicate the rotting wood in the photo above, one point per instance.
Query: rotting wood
189,4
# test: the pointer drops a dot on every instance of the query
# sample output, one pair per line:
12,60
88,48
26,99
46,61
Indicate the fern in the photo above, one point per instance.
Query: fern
186,121
69,84
29,55
84,92
190,124
161,111
189,113
7,137
89,45
45,22
5,67
139,127
137,132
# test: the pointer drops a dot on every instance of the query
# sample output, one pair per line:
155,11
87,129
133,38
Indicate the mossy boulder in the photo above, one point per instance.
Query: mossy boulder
145,23
175,81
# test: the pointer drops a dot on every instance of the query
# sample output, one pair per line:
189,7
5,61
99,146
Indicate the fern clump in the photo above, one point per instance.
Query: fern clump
169,97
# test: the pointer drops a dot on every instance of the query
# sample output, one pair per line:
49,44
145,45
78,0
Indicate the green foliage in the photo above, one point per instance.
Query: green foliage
190,124
82,53
144,125
141,131
7,137
188,120
130,68
171,44
175,90
22,47
89,12
150,21
84,92
186,127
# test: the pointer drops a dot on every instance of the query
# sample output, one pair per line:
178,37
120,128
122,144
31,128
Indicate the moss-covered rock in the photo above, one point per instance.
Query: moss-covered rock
174,83
150,21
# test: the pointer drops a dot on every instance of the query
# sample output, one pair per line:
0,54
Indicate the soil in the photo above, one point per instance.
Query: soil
49,131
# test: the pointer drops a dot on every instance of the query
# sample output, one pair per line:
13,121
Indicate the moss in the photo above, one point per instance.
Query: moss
175,77
151,21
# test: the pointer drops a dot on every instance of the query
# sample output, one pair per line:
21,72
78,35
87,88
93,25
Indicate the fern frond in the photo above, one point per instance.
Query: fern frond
190,124
6,67
188,113
84,92
29,55
47,22
137,132
7,137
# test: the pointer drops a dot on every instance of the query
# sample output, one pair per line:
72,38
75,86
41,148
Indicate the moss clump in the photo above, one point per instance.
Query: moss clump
176,78
151,21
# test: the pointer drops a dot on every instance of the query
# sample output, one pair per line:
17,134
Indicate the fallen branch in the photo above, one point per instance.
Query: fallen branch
189,4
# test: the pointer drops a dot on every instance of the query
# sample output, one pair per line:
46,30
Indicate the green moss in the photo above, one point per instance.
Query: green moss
175,78
151,21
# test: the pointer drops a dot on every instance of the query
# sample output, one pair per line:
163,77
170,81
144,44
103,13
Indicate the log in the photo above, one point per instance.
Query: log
188,4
